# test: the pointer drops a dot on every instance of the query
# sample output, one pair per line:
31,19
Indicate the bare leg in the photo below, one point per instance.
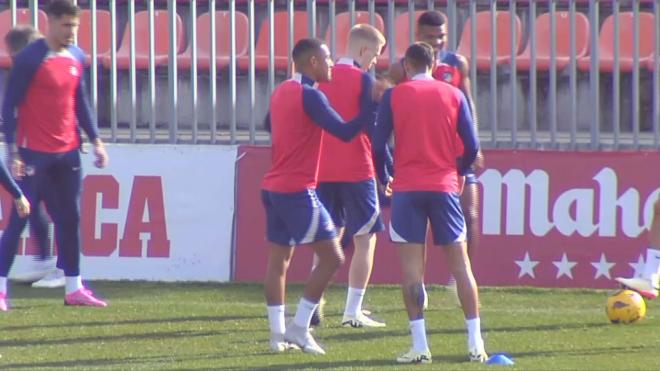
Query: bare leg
412,270
275,281
459,266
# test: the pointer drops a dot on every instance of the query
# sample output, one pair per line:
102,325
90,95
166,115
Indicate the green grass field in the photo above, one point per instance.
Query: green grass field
203,326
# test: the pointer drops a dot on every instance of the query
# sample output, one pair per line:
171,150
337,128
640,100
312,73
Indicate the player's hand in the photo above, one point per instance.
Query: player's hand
22,206
102,158
479,162
461,184
17,167
377,91
388,189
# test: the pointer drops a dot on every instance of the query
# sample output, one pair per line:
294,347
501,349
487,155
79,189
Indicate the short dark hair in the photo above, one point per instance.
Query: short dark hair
420,54
18,37
431,18
58,8
304,49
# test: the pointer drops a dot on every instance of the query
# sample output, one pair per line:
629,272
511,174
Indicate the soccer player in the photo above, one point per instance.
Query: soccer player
428,117
43,270
44,109
647,285
299,113
347,185
453,69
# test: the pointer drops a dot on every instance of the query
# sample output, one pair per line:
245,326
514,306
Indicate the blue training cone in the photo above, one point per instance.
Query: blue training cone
501,359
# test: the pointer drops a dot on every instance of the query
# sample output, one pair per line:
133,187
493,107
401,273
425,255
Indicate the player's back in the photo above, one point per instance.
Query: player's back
295,141
345,161
425,115
447,68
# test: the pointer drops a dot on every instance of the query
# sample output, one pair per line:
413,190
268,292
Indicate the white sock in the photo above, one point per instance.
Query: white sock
418,332
276,319
3,285
474,332
354,301
652,266
72,284
304,313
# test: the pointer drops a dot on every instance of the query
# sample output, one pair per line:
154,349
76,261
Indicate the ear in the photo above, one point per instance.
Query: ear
313,60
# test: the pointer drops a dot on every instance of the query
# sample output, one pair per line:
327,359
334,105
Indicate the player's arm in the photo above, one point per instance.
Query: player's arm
85,118
380,137
466,87
8,183
15,90
318,108
366,99
87,123
466,131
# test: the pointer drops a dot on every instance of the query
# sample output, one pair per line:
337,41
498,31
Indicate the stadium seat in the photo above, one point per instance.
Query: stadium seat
562,39
162,43
22,17
484,41
343,26
103,37
222,40
606,42
281,50
401,38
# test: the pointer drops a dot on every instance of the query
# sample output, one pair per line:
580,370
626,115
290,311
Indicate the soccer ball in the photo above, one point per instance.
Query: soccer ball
625,306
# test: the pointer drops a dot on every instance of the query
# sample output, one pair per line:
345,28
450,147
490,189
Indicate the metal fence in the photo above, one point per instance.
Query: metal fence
541,81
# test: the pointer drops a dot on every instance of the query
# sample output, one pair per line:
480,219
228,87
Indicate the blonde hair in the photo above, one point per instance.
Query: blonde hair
363,33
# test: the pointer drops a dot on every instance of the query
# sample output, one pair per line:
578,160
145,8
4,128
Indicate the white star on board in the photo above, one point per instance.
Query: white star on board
564,267
638,266
603,267
526,266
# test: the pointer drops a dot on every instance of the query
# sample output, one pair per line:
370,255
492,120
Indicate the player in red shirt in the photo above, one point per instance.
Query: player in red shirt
347,185
453,69
299,113
44,109
428,117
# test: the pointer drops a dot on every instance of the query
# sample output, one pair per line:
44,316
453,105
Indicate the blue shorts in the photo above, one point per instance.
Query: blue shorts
296,218
353,205
411,212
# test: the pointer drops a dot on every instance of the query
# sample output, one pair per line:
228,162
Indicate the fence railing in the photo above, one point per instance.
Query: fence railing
576,74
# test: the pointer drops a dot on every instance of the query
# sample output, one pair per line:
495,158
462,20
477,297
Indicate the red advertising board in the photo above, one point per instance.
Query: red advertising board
549,219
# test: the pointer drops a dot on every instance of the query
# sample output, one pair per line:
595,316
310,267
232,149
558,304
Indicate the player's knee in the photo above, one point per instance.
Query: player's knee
338,259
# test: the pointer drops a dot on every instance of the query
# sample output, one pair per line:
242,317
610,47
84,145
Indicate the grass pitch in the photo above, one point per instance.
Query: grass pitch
211,326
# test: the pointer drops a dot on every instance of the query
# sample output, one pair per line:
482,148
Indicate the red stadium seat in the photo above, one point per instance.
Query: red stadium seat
103,37
606,42
484,41
562,39
401,37
161,38
343,26
22,17
281,50
222,41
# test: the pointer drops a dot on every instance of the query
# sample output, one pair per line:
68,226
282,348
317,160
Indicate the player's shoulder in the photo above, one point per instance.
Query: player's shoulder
78,53
32,52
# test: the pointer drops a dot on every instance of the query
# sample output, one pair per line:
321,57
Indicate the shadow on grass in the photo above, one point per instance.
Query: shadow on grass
113,322
130,362
585,352
120,337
